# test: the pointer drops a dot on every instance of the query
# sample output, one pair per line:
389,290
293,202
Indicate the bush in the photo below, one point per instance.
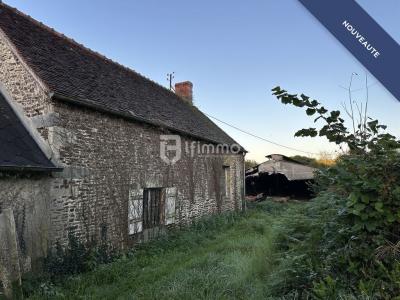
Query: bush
303,236
340,245
346,241
77,257
319,254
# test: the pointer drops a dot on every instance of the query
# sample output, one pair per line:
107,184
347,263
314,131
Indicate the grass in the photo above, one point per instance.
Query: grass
223,257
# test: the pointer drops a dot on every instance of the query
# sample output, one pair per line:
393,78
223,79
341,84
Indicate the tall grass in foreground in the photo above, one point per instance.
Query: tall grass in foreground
220,257
273,251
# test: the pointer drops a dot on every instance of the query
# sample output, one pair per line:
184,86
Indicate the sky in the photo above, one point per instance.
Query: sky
234,52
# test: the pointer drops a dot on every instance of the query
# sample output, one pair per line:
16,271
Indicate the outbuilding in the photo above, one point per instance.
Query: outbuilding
280,176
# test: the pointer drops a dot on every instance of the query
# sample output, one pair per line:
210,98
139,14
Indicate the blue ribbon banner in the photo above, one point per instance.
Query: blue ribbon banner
363,37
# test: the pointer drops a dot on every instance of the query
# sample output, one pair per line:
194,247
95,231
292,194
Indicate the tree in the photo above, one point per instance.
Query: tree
364,183
324,160
250,163
367,135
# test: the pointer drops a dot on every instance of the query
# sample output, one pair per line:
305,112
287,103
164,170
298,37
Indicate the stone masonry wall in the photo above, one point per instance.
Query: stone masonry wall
28,196
21,84
115,156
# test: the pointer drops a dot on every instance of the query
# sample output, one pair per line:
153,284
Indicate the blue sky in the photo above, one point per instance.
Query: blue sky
234,52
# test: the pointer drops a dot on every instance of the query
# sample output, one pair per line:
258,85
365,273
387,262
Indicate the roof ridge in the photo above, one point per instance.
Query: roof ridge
76,43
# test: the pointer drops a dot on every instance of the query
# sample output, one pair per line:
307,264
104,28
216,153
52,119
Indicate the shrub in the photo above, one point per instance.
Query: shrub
341,243
77,257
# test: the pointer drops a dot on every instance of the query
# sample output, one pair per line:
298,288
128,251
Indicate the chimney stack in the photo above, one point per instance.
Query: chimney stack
185,91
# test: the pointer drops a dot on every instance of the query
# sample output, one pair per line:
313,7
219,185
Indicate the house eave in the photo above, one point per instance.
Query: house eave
34,169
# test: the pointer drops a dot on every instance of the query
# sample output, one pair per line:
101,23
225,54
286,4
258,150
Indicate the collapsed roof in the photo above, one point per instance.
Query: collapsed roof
280,164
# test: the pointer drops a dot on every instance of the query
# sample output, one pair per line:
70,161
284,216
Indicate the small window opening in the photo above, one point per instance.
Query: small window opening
153,208
226,181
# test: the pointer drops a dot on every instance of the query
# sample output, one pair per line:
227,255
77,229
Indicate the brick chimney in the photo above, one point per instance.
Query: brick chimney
185,91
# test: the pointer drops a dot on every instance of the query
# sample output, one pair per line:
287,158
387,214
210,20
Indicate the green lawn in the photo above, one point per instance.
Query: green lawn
224,257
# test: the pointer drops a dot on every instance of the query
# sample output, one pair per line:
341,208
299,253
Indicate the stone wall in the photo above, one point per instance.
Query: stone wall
22,84
30,199
9,258
28,195
114,156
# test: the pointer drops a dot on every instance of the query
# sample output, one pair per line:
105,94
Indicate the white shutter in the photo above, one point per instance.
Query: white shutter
227,171
170,199
135,211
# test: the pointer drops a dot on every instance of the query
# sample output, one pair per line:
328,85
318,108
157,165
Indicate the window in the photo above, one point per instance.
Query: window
226,181
153,208
150,208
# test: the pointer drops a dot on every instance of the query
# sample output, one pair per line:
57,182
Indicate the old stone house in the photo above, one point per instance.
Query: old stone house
91,147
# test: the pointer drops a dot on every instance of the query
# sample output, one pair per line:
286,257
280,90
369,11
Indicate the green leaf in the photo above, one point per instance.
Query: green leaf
379,206
353,199
297,102
310,111
335,114
312,132
304,97
359,206
373,126
390,217
371,226
382,127
322,110
286,100
358,226
365,198
276,89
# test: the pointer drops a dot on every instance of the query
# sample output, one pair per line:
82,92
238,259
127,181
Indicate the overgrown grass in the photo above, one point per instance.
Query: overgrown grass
221,257
273,251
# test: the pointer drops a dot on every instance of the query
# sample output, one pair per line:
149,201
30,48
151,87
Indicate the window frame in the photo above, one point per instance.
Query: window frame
138,202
